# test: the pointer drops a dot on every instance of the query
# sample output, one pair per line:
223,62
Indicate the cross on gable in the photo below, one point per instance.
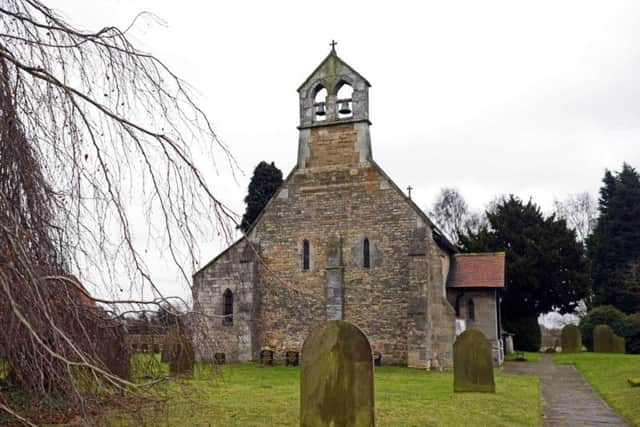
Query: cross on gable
333,44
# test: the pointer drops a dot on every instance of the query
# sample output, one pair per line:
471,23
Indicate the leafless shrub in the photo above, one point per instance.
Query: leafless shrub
580,210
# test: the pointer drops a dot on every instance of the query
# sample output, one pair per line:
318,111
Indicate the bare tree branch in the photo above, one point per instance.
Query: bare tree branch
98,149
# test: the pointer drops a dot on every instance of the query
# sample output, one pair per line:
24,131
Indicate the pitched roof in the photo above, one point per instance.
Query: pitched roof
477,270
438,236
327,58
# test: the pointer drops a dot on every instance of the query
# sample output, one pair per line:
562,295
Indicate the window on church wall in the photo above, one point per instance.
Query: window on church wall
471,310
320,103
305,255
227,307
366,257
344,103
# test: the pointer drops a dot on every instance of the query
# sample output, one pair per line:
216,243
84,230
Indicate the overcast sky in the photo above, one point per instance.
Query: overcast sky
534,99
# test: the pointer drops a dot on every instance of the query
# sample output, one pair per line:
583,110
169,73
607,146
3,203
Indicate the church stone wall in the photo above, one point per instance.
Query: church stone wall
233,270
332,204
336,198
486,314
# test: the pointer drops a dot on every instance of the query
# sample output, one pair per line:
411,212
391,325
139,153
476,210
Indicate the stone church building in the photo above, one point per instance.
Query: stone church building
340,240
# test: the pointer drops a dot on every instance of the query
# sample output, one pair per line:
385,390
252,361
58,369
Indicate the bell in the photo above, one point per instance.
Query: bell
320,109
344,108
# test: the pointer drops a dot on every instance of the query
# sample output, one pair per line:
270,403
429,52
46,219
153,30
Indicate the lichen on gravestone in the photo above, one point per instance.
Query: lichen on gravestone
571,340
473,363
336,378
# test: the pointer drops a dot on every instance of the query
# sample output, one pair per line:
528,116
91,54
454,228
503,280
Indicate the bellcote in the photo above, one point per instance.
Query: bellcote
334,117
334,93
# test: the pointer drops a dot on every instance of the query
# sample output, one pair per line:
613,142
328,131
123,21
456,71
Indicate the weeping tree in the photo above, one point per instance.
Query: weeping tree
97,148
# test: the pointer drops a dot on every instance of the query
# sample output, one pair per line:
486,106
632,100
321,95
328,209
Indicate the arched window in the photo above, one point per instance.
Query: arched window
344,102
320,103
305,255
227,307
366,259
471,310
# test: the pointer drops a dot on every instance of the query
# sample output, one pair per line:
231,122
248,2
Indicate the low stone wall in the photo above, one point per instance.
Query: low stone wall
146,343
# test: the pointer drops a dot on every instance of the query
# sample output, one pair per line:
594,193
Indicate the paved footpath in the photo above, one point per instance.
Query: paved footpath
567,399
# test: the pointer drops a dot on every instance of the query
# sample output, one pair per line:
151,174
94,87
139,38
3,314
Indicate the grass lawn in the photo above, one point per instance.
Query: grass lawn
607,374
249,395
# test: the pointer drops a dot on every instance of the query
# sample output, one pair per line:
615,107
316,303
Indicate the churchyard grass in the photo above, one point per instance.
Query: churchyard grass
250,395
532,356
608,373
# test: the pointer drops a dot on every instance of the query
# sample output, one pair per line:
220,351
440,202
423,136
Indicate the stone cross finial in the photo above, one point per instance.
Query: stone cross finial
409,188
333,44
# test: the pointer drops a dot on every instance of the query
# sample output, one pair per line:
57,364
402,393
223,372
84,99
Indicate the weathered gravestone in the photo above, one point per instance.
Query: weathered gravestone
606,341
472,363
180,354
266,357
336,378
219,358
293,358
618,344
571,340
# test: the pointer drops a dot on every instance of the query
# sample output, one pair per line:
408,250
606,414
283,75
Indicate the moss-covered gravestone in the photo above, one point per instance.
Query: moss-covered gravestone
472,363
606,341
336,378
571,340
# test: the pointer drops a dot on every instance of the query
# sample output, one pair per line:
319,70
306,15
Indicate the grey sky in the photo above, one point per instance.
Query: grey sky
535,98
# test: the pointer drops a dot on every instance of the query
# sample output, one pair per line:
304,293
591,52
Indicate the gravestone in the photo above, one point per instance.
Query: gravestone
336,378
472,363
571,339
266,357
181,355
219,358
293,358
605,341
618,344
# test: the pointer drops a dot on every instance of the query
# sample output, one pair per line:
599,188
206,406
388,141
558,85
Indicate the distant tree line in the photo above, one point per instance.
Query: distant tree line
585,251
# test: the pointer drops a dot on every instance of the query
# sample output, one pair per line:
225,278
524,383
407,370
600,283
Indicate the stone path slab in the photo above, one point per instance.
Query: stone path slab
567,399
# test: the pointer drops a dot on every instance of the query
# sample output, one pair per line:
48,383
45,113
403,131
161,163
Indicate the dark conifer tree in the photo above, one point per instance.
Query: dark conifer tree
265,181
614,246
545,265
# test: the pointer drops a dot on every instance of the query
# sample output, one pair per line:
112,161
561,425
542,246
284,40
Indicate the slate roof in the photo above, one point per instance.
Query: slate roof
477,270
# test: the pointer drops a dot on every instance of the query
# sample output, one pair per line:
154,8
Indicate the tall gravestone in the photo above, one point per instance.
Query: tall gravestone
336,378
472,363
571,340
606,341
